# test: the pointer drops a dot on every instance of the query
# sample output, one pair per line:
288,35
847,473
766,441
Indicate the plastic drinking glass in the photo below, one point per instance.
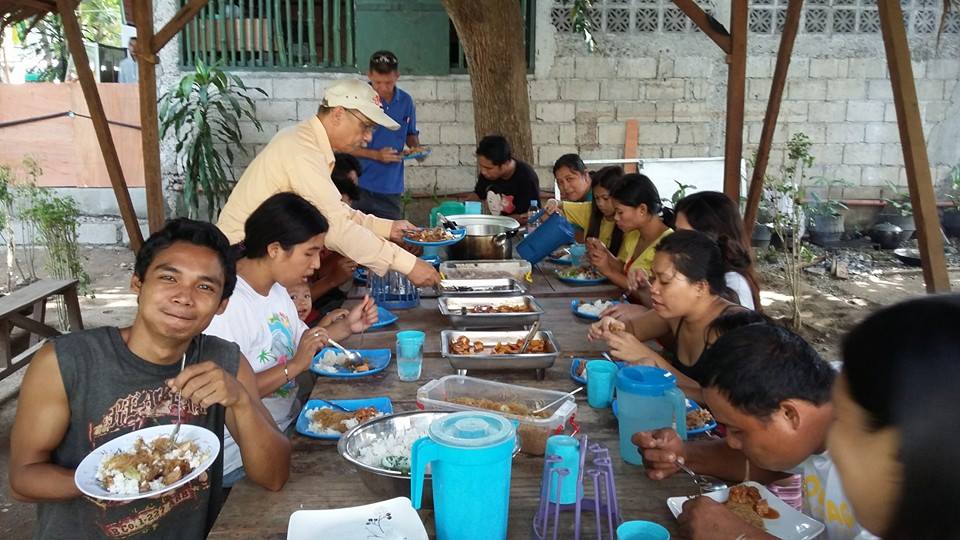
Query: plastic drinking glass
642,530
472,207
566,448
409,354
601,377
577,251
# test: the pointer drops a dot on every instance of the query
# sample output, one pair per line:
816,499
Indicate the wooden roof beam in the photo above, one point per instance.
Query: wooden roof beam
707,24
736,95
169,30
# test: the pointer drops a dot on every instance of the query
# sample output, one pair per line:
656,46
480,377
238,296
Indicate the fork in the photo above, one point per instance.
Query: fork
176,429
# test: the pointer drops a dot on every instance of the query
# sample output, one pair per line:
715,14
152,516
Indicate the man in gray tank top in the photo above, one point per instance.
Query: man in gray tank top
87,388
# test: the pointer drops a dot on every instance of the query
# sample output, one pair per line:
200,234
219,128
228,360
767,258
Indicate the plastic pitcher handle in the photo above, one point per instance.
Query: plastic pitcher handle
423,452
680,410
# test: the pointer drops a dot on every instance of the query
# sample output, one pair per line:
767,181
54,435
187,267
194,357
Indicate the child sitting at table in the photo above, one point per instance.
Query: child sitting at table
300,294
772,392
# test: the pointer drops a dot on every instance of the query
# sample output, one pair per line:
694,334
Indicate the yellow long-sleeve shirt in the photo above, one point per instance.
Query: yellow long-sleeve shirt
300,159
579,214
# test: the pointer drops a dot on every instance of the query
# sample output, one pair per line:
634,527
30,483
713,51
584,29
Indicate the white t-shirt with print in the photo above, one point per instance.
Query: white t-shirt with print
741,286
825,501
268,330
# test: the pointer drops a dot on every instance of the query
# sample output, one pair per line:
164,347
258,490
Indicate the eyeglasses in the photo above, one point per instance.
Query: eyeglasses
368,126
387,59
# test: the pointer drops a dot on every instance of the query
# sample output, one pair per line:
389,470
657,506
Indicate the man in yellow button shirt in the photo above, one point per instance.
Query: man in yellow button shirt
300,159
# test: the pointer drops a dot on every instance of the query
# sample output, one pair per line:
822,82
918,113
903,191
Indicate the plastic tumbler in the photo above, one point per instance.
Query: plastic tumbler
577,251
642,530
472,207
567,448
409,354
601,376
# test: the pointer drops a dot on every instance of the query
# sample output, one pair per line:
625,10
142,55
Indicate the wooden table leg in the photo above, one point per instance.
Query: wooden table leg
40,315
73,308
5,355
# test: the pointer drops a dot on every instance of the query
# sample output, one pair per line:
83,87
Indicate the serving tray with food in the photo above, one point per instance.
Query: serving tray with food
480,287
497,349
490,312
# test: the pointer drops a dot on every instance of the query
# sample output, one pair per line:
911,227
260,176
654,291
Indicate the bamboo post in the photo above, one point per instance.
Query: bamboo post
914,148
149,126
736,91
71,30
790,27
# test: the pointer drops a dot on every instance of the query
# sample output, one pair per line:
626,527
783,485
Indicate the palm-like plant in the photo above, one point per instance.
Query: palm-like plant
204,112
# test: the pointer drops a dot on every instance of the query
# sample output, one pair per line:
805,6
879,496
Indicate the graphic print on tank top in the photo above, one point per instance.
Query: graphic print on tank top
139,410
281,348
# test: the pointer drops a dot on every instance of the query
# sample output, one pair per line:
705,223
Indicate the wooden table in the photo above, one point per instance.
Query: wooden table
33,297
320,478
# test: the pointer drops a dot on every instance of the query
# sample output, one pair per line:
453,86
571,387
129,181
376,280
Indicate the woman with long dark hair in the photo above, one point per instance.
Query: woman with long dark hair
637,207
893,441
597,216
689,307
282,244
717,216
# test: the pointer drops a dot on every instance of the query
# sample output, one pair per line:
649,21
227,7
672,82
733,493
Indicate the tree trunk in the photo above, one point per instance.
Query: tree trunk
491,33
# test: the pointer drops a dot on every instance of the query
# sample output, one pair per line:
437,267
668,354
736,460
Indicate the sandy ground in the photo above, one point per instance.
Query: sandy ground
830,307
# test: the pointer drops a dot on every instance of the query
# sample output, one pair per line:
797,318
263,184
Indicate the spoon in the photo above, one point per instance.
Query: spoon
334,405
176,429
353,356
705,484
558,400
607,356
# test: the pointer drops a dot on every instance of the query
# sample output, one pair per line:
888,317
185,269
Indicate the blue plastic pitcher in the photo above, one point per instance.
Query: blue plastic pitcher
553,233
470,454
647,399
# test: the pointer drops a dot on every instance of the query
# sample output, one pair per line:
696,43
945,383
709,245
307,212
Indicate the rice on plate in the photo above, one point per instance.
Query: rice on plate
595,308
149,465
392,452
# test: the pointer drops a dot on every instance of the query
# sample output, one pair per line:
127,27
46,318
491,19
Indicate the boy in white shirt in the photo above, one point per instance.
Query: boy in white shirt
772,392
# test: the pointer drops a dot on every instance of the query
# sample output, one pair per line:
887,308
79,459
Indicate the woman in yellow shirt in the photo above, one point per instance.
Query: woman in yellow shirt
596,216
637,208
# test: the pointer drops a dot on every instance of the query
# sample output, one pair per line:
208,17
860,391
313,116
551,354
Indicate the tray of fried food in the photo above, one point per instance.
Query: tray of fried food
480,287
490,312
498,349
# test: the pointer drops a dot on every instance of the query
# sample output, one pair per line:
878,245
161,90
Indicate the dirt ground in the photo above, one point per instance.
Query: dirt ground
830,307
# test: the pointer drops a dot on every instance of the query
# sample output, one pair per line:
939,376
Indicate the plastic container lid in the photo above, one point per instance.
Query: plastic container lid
469,429
645,380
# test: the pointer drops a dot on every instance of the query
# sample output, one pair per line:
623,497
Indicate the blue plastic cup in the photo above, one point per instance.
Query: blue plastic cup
642,530
601,377
577,251
567,448
409,354
472,207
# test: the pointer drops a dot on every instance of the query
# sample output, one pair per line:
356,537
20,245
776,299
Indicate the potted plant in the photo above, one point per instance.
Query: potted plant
203,112
951,216
825,214
897,212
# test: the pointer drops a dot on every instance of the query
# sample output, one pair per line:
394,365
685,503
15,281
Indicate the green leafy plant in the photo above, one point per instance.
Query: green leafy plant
899,201
787,195
826,205
954,194
582,24
405,199
680,193
203,112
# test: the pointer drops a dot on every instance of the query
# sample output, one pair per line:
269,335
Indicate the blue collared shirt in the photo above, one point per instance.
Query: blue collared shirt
382,177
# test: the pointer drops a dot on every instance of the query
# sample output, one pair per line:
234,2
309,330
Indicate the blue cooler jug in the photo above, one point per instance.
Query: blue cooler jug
551,234
470,454
647,399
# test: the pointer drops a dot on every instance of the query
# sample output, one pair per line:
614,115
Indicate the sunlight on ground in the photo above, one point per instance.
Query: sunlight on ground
877,283
111,300
768,298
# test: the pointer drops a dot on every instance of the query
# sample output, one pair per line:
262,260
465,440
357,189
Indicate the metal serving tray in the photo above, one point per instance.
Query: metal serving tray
480,287
452,308
489,361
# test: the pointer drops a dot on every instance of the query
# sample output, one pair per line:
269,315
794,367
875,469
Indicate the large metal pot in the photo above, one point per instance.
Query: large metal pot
488,237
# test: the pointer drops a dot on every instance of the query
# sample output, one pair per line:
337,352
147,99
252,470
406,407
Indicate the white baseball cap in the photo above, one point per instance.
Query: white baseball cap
358,95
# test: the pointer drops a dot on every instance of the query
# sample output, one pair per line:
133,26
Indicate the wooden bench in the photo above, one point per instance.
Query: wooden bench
33,297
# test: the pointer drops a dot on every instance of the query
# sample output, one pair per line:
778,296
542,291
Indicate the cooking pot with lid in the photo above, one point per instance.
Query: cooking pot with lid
488,237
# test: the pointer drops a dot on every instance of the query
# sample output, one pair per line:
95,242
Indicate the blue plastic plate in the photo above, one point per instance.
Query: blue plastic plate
575,281
360,275
691,406
384,318
458,235
575,368
378,359
575,308
382,404
417,155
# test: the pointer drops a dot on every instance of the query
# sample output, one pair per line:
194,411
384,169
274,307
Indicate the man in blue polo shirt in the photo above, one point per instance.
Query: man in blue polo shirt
381,183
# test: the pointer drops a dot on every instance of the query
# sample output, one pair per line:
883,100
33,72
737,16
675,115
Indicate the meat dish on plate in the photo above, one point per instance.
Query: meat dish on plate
149,466
463,345
435,234
327,421
746,502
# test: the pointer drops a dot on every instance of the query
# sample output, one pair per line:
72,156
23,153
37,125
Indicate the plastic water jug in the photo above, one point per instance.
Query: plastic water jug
648,399
470,454
551,234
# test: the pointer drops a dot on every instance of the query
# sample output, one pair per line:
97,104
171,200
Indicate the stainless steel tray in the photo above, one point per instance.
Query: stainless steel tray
498,361
451,307
486,269
480,287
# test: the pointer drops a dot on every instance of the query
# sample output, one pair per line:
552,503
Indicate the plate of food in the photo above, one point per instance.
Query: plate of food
360,275
581,276
416,153
321,420
146,462
330,362
385,317
591,310
578,368
434,236
699,420
762,509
